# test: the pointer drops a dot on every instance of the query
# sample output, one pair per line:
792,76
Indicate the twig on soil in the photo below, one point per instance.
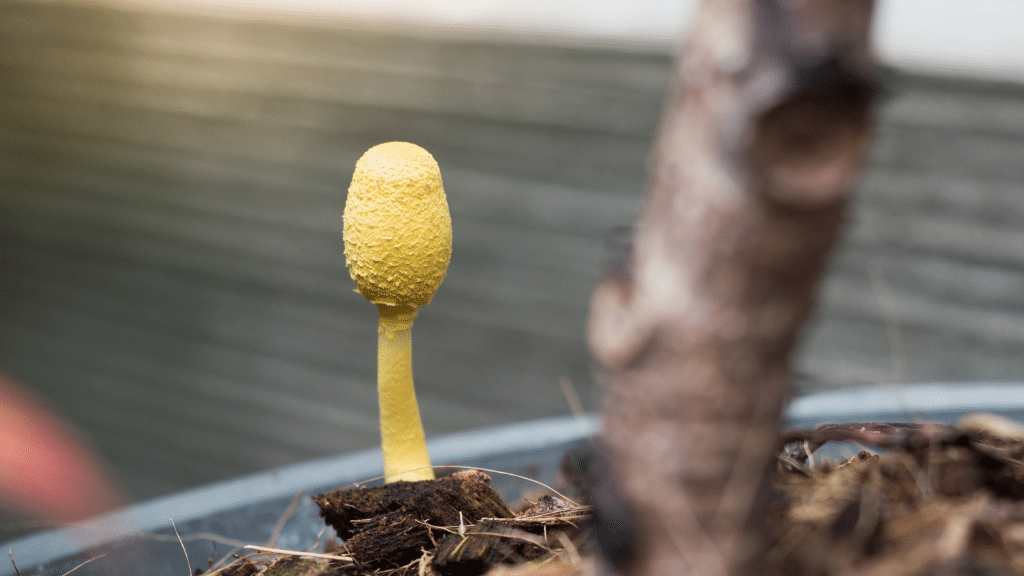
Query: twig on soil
424,561
544,519
527,537
281,552
875,434
279,527
275,534
319,535
93,559
570,549
464,533
569,391
11,554
187,561
223,559
556,516
237,558
537,482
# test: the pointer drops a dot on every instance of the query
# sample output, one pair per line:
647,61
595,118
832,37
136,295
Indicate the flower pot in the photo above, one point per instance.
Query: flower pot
248,509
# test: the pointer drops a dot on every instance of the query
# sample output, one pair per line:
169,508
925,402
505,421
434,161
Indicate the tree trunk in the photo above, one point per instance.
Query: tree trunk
766,129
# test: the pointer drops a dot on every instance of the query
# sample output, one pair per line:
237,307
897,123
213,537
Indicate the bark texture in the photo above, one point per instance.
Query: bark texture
766,129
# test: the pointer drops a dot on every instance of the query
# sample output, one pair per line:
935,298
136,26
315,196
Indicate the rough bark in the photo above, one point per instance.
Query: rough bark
767,127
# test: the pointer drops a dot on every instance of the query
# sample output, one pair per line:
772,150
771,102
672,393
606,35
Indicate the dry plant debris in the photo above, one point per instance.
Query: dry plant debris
456,525
937,500
918,499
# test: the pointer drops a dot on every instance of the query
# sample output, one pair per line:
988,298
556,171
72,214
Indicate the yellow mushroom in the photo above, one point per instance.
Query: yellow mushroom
398,241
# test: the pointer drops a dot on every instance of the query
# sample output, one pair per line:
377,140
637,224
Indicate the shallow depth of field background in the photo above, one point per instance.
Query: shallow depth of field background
172,181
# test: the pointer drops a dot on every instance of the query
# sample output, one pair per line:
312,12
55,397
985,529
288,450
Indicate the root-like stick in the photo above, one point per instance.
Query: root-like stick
292,507
90,560
187,561
11,554
299,553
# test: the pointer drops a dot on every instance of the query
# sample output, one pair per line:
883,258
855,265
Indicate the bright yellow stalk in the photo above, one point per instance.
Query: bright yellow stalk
401,430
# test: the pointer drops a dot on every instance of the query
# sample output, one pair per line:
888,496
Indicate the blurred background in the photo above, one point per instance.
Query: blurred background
172,179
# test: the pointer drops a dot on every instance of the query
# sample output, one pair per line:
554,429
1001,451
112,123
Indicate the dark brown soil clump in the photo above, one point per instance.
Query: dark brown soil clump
391,525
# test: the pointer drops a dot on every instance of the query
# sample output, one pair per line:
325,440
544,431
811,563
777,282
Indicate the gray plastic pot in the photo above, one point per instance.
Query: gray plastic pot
248,509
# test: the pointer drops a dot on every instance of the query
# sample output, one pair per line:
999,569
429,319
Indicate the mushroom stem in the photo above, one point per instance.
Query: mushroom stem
402,439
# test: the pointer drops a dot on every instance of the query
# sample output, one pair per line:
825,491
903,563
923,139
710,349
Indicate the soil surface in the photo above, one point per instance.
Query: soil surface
936,500
912,499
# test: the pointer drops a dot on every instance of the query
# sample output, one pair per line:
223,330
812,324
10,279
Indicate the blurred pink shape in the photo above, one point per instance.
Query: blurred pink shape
48,470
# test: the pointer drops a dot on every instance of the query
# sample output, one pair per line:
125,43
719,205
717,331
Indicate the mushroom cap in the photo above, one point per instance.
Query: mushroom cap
398,232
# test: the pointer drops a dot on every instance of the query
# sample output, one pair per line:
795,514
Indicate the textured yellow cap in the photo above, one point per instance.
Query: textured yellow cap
398,232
